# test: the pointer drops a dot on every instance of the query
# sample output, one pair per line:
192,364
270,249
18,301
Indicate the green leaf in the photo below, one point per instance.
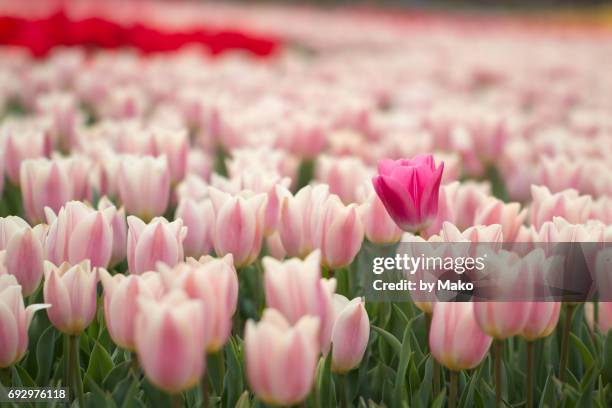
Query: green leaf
607,359
233,382
124,394
25,378
97,398
114,376
440,400
399,390
587,358
467,396
548,393
215,369
156,398
390,339
325,385
100,364
45,348
244,401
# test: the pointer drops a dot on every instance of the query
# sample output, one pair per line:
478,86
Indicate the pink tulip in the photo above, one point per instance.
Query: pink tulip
144,185
339,233
199,218
119,225
541,321
121,303
71,292
23,144
174,145
559,173
281,359
297,217
409,190
239,225
379,227
470,196
79,170
479,233
215,282
170,341
1,172
512,276
447,209
275,246
343,175
567,204
192,187
295,288
24,251
604,316
508,215
79,232
350,333
44,183
455,340
158,241
15,320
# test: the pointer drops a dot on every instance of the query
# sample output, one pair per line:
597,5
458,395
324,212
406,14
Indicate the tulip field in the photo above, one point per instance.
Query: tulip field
196,199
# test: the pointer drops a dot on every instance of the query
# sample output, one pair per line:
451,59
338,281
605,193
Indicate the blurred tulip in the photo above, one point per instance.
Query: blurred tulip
79,169
170,341
121,303
44,183
508,215
409,190
215,282
144,185
558,173
119,225
79,233
567,204
174,145
23,144
71,292
541,321
604,316
24,252
295,288
343,175
281,359
199,218
157,241
15,320
379,227
350,333
455,340
239,225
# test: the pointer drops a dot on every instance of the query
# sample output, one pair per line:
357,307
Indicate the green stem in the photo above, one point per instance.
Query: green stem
205,390
436,366
498,374
75,370
177,400
344,398
529,384
6,376
134,364
452,393
569,312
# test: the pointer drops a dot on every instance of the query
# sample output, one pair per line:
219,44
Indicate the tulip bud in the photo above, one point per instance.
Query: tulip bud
455,340
144,185
295,288
341,233
541,320
119,225
121,303
199,218
71,292
215,282
379,227
409,190
281,360
79,233
239,225
15,320
44,183
24,251
350,333
158,241
170,341
604,316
